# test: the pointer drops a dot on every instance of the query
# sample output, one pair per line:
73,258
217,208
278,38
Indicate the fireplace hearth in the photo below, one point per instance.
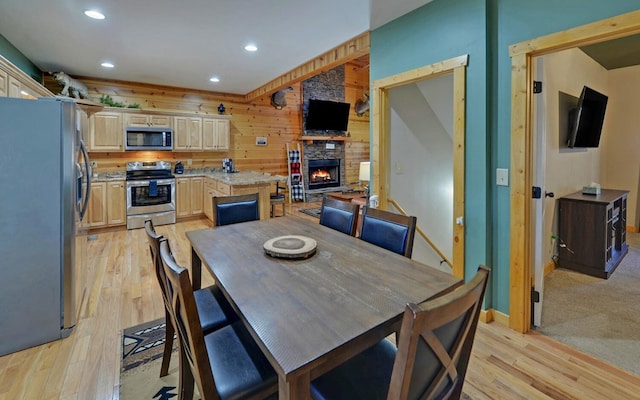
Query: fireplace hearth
323,173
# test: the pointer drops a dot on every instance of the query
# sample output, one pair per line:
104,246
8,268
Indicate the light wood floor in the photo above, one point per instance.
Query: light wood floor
124,292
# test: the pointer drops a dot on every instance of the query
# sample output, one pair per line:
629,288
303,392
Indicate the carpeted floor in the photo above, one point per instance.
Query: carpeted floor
314,212
597,316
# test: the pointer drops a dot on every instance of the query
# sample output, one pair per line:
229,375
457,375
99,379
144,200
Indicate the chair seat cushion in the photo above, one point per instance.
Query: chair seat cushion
366,376
213,309
274,196
238,365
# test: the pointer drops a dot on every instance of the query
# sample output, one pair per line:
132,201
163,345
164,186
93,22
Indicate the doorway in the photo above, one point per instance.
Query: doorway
381,141
522,139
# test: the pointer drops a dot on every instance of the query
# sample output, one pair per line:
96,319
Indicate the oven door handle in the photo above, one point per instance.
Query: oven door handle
146,183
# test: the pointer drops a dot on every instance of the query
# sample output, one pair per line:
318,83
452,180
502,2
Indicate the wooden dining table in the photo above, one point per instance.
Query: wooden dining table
310,315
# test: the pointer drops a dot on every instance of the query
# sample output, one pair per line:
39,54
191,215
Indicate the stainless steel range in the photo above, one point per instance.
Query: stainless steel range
151,193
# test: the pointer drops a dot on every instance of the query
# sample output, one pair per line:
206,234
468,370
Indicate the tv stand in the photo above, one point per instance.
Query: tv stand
593,228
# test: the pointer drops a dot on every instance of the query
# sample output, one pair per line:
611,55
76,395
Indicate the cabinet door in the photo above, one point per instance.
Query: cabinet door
222,132
183,197
15,87
209,191
116,203
161,121
197,187
136,120
98,204
106,131
215,134
4,81
187,133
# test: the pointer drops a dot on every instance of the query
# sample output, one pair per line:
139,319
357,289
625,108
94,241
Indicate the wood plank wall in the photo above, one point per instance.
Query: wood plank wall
249,120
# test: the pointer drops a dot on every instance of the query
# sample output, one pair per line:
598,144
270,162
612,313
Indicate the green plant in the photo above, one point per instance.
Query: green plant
108,100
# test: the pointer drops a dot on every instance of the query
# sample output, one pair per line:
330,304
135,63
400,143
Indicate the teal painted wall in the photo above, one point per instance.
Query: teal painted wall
484,29
8,51
442,30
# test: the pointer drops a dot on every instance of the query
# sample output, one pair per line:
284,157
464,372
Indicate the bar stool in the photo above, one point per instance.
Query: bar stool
277,198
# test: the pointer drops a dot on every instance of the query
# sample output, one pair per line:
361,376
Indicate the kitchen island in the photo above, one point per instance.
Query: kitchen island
218,183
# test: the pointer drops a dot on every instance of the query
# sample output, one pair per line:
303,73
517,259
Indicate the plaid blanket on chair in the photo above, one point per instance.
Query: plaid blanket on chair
295,178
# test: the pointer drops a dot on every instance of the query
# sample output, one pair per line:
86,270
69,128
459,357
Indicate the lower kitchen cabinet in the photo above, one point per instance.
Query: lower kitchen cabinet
189,196
107,204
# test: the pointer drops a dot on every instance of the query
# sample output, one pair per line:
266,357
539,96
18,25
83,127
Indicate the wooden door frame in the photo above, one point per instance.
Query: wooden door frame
381,140
522,55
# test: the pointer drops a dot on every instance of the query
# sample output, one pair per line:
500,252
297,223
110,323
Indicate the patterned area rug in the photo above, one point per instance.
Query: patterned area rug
314,212
142,348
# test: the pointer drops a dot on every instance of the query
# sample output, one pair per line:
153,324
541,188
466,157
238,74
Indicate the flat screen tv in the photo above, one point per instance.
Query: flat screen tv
585,121
323,115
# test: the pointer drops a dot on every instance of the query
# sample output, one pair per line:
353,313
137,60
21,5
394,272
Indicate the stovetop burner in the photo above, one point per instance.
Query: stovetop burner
142,170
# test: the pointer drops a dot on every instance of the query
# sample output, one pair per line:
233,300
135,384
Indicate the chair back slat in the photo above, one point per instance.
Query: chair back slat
235,209
435,343
339,215
394,232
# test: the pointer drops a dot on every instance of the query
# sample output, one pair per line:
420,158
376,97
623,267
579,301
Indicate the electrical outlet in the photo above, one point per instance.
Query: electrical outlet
189,161
331,146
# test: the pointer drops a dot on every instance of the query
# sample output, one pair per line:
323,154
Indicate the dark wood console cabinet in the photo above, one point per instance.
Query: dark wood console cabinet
593,227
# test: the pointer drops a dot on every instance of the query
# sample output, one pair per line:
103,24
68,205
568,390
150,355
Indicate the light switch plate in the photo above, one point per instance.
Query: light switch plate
502,177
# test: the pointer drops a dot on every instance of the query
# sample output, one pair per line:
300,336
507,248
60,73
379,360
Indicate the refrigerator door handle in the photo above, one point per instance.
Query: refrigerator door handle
87,166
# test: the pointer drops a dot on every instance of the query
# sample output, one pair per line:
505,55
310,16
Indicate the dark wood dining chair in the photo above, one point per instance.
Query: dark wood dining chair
210,302
225,363
430,361
388,230
339,215
277,198
234,209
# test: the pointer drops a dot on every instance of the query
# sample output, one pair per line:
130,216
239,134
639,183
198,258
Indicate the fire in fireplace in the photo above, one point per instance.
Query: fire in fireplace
324,173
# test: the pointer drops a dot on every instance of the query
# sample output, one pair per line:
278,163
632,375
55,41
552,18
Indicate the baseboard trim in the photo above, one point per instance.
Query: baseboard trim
492,315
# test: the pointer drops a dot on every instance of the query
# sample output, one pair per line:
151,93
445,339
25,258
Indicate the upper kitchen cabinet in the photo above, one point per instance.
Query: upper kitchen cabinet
4,79
155,120
215,134
187,133
106,131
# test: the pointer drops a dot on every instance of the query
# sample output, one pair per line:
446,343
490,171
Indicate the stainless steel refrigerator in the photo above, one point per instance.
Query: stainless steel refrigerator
45,176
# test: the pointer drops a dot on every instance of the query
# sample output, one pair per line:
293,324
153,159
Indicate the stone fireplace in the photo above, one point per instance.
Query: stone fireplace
323,157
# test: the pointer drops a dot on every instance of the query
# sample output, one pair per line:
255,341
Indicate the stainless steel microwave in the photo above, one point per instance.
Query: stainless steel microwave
148,138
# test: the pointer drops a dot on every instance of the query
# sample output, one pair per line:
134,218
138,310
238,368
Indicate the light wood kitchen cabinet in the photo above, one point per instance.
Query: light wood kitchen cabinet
4,81
97,210
146,120
107,204
14,87
187,133
106,131
189,196
116,203
215,134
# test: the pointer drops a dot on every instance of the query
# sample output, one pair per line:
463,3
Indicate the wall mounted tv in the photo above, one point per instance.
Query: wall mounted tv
323,115
585,121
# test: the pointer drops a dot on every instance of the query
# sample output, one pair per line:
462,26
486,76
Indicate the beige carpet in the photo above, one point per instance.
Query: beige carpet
597,316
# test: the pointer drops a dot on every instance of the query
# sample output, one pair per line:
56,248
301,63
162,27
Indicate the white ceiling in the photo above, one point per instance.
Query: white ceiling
184,43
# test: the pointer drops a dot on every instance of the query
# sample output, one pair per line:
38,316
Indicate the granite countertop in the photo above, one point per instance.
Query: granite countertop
235,178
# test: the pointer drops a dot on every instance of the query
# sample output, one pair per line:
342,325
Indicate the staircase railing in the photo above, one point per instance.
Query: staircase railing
423,235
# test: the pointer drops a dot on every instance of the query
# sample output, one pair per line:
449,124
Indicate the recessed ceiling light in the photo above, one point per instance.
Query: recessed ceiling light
251,47
107,65
214,79
94,14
